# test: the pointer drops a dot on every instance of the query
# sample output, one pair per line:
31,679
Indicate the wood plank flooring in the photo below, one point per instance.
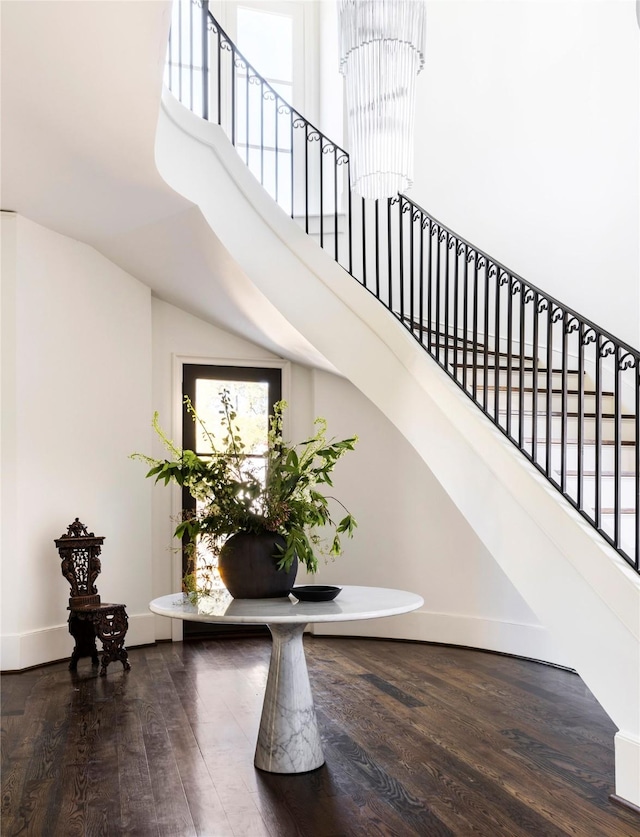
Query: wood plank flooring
419,740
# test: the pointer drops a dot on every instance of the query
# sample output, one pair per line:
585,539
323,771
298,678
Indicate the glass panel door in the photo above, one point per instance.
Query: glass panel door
253,393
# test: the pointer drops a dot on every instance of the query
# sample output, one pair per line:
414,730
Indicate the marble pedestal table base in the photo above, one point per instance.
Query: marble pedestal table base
288,739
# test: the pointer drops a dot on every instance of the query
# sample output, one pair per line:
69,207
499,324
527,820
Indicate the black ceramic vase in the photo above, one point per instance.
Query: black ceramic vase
248,566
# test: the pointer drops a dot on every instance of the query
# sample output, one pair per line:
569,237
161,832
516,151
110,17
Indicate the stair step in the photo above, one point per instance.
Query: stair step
607,454
503,374
589,423
572,399
607,490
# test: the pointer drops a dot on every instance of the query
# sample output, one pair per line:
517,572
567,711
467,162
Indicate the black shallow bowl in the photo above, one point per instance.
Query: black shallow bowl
315,592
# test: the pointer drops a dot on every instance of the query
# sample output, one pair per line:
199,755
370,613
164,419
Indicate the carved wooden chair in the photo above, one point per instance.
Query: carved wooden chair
89,617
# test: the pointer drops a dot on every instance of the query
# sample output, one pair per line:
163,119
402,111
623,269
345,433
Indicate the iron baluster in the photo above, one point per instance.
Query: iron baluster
636,493
411,276
377,223
598,429
563,397
389,261
456,304
401,258
306,178
233,96
446,299
485,325
350,220
548,400
205,59
421,281
534,381
617,436
219,79
465,317
335,203
438,242
321,160
430,286
474,339
364,243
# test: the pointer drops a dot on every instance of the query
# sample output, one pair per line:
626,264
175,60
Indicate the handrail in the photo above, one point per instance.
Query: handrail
563,390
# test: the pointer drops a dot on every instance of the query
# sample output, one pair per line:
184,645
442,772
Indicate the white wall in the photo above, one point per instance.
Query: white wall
412,536
180,338
527,144
76,399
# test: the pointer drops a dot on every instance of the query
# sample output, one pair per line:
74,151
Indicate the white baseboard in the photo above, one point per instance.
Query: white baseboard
627,748
532,641
20,651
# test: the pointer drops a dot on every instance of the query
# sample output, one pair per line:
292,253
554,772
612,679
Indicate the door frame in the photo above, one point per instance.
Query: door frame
179,361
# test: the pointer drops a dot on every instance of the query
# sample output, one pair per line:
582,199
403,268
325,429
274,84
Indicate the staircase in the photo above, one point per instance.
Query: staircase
545,379
584,459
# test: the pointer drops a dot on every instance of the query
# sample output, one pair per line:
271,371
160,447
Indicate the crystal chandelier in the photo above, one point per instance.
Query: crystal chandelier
381,53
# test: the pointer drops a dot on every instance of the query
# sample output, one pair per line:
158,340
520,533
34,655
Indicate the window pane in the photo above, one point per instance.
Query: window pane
266,39
250,401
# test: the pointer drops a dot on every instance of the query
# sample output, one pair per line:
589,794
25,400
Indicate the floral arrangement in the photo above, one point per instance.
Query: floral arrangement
231,497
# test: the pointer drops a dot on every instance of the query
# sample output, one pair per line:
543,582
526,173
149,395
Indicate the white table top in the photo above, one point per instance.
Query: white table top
351,603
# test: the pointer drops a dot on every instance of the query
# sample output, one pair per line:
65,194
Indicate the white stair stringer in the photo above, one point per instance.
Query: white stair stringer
582,591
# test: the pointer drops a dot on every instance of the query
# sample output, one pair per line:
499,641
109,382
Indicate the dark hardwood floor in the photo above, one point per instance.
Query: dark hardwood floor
419,740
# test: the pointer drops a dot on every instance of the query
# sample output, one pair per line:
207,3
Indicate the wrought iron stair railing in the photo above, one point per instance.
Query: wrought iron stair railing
562,389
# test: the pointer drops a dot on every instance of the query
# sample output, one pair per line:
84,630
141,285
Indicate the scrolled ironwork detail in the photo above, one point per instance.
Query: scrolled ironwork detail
471,255
314,136
226,45
461,248
515,286
572,324
627,361
557,313
588,335
342,159
298,122
529,296
606,346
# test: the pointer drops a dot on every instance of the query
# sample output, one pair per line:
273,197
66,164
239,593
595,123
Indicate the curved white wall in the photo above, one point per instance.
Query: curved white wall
76,398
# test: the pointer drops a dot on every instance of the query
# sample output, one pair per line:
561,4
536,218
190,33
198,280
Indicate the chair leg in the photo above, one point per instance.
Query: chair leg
83,632
111,628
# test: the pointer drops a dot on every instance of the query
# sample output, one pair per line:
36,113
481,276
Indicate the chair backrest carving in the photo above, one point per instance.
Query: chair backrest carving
79,551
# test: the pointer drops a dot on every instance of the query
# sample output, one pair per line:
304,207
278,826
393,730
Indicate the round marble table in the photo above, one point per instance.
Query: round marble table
288,740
